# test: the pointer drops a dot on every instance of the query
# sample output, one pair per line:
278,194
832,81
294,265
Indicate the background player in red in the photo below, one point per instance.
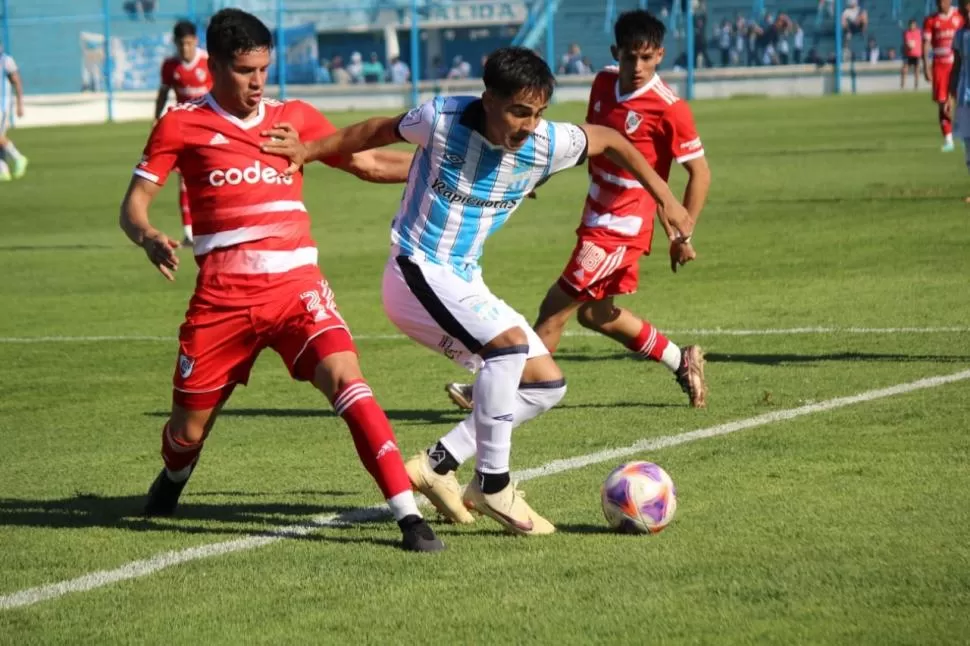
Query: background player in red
912,54
187,74
938,32
617,225
258,283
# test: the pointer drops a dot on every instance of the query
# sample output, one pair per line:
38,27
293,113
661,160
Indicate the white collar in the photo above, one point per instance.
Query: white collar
636,93
250,123
195,59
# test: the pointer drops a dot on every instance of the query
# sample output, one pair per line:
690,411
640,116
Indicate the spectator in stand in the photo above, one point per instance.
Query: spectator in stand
891,54
572,61
323,75
798,43
356,68
912,54
400,72
460,69
437,71
701,57
740,40
725,36
872,51
373,69
855,19
338,72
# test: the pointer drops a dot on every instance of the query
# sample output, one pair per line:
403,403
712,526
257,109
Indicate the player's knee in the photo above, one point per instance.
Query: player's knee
190,427
595,315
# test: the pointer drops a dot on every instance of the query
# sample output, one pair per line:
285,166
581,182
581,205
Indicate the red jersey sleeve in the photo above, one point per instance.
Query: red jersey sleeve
928,28
313,125
685,143
162,151
168,72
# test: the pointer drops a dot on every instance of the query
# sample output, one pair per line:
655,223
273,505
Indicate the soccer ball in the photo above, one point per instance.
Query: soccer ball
639,498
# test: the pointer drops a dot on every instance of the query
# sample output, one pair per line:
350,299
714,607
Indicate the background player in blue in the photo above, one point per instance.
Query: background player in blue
958,106
478,158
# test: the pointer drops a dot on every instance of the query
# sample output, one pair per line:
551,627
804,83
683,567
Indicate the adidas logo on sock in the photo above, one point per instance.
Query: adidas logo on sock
218,140
388,447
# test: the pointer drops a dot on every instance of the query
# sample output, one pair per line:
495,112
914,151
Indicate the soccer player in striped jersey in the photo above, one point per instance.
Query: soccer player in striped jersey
13,164
617,224
258,284
478,159
958,105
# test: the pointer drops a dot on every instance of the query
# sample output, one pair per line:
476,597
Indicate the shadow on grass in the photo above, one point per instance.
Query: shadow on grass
781,358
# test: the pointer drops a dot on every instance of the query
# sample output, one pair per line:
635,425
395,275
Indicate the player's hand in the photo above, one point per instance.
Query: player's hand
285,142
160,250
532,195
20,110
681,253
677,217
926,75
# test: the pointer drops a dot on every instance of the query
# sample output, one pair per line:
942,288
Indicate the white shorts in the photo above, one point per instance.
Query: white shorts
444,312
961,122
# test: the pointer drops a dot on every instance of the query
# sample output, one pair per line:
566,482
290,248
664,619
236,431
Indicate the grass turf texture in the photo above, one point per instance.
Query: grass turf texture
844,526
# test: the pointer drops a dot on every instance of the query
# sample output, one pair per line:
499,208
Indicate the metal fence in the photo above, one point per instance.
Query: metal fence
116,46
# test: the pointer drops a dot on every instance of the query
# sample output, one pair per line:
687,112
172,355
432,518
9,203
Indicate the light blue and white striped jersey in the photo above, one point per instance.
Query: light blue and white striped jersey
7,67
961,45
461,188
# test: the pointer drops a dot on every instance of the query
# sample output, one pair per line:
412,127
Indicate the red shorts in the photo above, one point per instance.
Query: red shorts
941,82
599,269
218,345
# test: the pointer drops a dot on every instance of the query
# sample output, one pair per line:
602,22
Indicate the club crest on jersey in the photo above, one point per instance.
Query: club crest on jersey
453,159
200,74
596,107
633,121
186,364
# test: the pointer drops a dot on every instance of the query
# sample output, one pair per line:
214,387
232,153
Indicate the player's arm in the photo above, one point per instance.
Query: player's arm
606,141
160,100
927,41
18,91
378,166
136,225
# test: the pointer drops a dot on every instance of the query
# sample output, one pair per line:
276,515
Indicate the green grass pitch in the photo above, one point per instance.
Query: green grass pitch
842,526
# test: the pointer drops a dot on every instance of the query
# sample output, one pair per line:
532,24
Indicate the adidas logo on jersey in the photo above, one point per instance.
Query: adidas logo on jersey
218,140
250,175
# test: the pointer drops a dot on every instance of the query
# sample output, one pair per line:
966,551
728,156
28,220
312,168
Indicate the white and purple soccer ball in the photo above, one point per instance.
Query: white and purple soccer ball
639,498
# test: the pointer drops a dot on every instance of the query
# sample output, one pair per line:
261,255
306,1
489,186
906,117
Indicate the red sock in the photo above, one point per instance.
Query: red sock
946,125
373,437
649,343
176,453
184,204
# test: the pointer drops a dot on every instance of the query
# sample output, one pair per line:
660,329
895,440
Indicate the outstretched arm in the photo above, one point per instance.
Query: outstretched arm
378,166
602,140
18,90
160,100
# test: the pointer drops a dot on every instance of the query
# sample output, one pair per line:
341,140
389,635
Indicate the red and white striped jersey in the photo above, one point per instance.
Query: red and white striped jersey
660,125
939,29
252,230
189,80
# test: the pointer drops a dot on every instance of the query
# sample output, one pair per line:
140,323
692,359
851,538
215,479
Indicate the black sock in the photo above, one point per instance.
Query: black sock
442,462
493,482
409,521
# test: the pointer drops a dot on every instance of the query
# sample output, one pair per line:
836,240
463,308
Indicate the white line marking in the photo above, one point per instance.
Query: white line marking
686,332
145,567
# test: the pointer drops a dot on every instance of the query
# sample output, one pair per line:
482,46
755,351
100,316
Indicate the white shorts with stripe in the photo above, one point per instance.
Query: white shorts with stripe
442,311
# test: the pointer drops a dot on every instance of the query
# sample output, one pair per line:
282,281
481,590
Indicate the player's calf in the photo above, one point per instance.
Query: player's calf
180,455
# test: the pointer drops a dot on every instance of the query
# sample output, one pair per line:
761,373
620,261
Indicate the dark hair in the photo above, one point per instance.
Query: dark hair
182,29
634,29
510,70
233,31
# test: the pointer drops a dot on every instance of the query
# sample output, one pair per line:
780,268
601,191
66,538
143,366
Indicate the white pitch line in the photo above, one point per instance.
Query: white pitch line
686,332
141,568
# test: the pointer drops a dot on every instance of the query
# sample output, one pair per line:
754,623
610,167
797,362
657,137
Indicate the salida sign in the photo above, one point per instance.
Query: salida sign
469,13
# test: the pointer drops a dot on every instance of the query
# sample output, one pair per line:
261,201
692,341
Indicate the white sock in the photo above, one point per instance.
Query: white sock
181,475
10,152
531,400
403,504
494,393
187,229
948,138
671,356
4,169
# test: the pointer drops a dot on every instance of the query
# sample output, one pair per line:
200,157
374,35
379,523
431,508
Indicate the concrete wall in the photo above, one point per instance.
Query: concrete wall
59,109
